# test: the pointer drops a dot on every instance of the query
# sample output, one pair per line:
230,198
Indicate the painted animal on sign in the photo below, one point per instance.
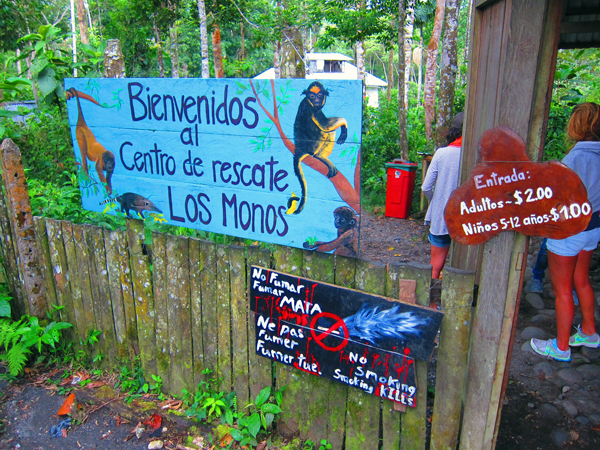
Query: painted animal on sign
90,148
347,223
314,135
130,201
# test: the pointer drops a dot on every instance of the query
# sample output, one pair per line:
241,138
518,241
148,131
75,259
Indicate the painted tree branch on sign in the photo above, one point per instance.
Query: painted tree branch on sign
348,193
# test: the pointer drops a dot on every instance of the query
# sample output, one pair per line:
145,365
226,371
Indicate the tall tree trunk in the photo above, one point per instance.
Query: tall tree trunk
448,71
390,74
161,63
217,51
242,42
360,52
89,16
83,23
466,52
174,51
74,37
276,63
418,59
114,63
430,72
360,60
408,38
99,20
203,39
18,52
292,54
403,141
33,85
420,65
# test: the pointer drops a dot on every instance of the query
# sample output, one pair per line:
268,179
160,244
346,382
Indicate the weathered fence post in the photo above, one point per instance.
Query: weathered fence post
261,369
457,297
46,264
414,430
364,410
8,253
327,407
161,308
295,413
19,207
143,298
239,323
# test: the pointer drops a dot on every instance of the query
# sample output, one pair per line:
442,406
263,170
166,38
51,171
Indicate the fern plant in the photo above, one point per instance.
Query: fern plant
20,338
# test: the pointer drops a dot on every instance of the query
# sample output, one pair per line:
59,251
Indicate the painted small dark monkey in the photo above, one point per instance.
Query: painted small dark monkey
347,223
90,148
314,135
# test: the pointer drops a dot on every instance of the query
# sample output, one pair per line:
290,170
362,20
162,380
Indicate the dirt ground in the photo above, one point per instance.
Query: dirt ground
28,409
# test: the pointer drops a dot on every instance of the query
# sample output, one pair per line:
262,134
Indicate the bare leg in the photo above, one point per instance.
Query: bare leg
562,269
585,292
438,259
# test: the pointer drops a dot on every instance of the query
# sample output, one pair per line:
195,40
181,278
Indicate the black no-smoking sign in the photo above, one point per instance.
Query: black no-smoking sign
362,340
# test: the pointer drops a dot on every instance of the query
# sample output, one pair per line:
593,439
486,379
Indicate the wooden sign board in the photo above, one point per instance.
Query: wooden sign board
362,340
270,160
507,191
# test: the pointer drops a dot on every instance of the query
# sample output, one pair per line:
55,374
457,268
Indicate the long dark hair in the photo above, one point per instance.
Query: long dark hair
453,134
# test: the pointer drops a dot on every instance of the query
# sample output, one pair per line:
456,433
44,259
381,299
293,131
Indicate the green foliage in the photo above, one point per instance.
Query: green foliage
22,338
45,144
5,298
575,81
133,382
207,402
50,61
323,445
380,145
262,413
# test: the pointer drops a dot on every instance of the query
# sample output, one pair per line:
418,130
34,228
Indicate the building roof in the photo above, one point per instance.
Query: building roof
580,27
327,57
350,74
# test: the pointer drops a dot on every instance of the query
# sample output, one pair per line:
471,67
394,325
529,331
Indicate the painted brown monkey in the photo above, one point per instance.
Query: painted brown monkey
347,223
314,135
90,148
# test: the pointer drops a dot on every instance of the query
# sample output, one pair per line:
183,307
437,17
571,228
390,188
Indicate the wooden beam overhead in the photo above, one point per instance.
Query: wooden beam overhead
580,27
582,11
484,3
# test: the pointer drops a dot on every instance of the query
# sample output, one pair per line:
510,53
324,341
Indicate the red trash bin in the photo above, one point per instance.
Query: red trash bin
400,187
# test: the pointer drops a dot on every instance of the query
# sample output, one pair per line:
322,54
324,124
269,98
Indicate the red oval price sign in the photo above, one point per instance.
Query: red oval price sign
507,191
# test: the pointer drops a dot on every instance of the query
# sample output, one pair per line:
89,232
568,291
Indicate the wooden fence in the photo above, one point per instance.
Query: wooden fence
181,305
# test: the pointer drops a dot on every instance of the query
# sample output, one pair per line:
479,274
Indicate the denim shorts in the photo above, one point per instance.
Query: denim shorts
571,246
440,240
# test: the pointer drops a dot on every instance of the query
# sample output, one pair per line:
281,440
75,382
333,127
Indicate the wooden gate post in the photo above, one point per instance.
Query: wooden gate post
19,207
511,69
457,298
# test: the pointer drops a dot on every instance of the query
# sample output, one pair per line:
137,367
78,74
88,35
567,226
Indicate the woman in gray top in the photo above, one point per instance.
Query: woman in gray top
440,181
569,259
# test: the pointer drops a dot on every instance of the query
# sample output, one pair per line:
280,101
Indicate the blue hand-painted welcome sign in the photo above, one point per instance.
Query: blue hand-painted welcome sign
276,160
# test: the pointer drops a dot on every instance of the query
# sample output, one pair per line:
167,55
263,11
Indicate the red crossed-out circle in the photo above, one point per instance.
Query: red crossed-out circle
337,324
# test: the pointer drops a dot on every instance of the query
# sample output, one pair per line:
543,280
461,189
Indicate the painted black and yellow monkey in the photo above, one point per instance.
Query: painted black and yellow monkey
90,148
347,223
314,135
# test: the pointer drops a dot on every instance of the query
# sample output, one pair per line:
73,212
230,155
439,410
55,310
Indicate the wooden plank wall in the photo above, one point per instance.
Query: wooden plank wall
181,306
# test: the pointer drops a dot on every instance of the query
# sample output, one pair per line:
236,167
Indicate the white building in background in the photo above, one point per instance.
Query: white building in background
335,66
